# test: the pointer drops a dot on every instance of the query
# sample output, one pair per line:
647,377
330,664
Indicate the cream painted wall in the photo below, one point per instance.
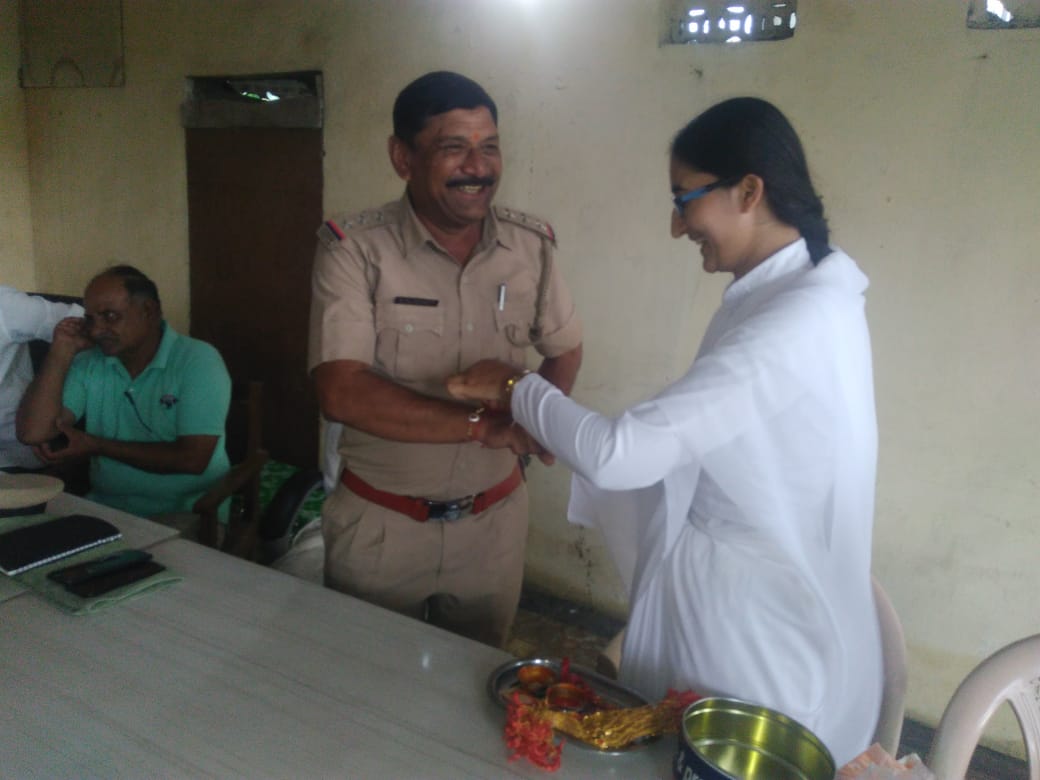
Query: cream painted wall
921,135
17,266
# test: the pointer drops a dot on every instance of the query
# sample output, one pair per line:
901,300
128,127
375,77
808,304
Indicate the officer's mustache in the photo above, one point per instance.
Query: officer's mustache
486,181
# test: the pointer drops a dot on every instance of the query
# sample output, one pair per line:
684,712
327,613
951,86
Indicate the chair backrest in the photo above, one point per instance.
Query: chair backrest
244,428
608,661
893,655
1011,674
243,441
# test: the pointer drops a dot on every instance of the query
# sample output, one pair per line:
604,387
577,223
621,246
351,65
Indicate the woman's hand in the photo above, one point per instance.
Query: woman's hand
484,381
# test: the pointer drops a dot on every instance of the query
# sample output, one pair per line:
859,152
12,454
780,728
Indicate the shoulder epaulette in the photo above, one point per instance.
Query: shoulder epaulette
332,231
537,224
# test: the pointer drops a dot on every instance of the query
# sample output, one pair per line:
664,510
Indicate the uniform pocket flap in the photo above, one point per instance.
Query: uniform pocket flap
410,319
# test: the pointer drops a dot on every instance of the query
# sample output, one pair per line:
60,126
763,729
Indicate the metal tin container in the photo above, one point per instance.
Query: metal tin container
728,739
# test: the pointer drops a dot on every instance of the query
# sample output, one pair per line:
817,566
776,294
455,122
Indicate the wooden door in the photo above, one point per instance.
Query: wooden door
254,203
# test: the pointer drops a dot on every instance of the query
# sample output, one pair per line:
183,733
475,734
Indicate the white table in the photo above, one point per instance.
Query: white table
242,671
137,532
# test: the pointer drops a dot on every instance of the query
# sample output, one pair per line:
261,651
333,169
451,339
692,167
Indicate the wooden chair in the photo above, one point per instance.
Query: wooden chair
243,440
1012,675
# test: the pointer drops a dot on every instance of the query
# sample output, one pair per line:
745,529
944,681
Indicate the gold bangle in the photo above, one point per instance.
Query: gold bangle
511,383
474,423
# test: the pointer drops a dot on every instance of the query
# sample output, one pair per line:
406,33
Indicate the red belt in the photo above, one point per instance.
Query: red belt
421,510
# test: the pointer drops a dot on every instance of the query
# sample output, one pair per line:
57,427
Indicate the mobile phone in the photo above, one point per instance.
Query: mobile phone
97,586
87,570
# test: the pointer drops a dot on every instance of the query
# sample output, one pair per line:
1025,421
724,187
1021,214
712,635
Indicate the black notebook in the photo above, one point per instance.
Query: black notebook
35,545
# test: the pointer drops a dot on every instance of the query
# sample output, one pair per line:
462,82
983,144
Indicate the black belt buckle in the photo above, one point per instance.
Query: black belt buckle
449,510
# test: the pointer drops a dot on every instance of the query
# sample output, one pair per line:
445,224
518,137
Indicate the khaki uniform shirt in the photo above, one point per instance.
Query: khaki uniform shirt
385,294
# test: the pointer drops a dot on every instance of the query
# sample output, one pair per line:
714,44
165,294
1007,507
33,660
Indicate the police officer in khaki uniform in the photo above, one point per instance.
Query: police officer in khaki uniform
430,516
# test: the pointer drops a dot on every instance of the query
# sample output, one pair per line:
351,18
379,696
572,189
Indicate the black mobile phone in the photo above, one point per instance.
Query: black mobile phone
96,567
96,586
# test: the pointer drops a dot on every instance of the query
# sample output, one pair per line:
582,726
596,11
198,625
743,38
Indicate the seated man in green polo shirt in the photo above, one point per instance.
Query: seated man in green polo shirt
155,402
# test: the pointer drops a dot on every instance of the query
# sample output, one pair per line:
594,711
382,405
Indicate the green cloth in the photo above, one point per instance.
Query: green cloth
184,391
36,579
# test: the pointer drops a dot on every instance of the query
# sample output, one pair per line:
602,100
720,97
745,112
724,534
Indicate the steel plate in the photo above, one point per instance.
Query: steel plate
503,681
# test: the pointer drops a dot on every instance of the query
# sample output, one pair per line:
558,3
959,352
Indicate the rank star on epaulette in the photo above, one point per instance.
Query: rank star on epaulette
536,224
370,218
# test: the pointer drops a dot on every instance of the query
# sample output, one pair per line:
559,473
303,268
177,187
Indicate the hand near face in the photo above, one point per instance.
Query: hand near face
484,381
70,336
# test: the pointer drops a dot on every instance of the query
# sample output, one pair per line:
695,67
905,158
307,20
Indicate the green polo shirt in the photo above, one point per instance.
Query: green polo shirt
184,391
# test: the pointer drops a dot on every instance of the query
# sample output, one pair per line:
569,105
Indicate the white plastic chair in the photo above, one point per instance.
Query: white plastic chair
1011,674
893,657
608,662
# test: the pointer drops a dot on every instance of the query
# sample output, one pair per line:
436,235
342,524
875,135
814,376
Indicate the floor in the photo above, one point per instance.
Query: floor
549,627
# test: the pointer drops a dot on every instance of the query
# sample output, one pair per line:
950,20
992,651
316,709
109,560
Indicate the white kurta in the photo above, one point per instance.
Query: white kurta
739,502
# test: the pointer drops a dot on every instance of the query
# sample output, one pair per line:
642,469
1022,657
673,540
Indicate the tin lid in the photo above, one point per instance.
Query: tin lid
739,740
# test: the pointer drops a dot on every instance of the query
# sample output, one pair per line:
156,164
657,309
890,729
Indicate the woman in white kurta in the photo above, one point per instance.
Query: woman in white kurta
739,501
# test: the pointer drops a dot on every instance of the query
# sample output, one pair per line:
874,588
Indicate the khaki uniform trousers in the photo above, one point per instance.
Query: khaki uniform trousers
463,575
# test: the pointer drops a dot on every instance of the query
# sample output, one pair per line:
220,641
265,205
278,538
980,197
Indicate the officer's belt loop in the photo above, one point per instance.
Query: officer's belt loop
421,509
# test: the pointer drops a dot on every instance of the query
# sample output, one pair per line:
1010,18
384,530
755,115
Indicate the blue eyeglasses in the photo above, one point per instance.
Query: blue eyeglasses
680,201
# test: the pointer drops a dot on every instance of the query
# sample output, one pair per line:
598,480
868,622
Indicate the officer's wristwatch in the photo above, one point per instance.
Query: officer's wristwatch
507,391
